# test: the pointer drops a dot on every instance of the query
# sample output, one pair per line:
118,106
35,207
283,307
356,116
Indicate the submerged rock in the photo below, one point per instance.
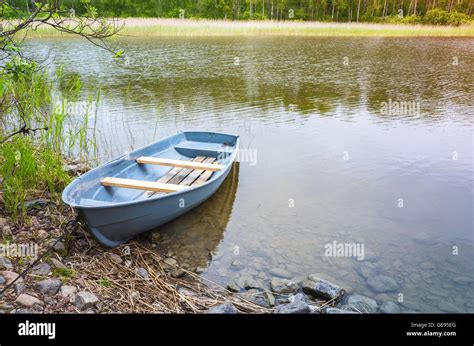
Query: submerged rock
382,283
225,308
297,305
269,298
48,286
280,273
322,288
389,307
362,303
283,286
331,310
85,300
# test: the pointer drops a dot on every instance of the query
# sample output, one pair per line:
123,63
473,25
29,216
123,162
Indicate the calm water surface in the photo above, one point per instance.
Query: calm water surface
330,165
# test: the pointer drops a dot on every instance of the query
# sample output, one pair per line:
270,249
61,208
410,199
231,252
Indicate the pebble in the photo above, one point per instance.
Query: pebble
269,298
114,257
59,246
382,283
362,303
41,269
322,288
85,300
57,264
49,286
20,287
331,310
5,263
178,273
68,291
170,261
142,273
280,273
9,276
225,308
27,300
298,305
283,286
389,307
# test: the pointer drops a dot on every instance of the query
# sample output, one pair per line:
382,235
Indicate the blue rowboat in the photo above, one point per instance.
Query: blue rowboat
151,185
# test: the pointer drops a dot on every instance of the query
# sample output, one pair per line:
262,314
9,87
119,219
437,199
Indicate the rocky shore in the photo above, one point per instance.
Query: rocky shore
80,276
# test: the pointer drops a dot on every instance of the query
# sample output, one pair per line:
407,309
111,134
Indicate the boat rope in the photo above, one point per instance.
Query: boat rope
38,259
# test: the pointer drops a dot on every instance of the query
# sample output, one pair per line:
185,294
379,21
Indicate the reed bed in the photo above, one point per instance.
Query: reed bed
199,27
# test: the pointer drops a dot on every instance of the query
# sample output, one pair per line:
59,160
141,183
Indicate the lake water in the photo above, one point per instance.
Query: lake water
324,158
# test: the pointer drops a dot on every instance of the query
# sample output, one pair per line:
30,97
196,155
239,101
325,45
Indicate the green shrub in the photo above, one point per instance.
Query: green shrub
441,17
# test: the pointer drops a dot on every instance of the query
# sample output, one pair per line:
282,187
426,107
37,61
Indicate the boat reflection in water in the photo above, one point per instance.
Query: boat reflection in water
194,236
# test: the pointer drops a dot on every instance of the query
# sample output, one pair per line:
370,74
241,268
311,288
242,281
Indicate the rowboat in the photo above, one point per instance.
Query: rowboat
152,185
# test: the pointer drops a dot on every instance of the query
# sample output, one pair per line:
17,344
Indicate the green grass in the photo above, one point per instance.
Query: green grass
178,27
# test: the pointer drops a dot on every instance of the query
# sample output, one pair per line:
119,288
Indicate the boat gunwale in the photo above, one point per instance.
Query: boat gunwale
215,176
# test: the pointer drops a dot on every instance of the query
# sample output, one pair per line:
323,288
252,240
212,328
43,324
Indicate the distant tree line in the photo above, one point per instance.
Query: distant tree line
409,11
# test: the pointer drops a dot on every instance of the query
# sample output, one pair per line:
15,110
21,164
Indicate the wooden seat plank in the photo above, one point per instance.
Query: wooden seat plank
179,163
141,185
195,174
167,178
202,178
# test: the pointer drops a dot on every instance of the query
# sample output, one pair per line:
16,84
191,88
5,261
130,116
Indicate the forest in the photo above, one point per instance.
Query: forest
393,11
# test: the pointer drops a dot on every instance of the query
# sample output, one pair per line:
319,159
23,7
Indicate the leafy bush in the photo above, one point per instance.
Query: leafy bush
441,17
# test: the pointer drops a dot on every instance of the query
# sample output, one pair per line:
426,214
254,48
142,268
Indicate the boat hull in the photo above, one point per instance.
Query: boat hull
113,223
145,216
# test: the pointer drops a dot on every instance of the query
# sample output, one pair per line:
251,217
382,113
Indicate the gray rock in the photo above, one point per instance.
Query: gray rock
233,286
249,282
280,273
142,273
41,269
322,288
27,300
59,247
35,204
338,311
382,283
170,261
362,303
269,298
85,300
57,264
114,258
68,291
20,287
236,263
2,280
297,305
10,276
225,308
178,273
49,286
389,307
5,263
283,286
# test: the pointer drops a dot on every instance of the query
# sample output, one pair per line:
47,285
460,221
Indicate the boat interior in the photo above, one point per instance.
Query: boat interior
186,160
